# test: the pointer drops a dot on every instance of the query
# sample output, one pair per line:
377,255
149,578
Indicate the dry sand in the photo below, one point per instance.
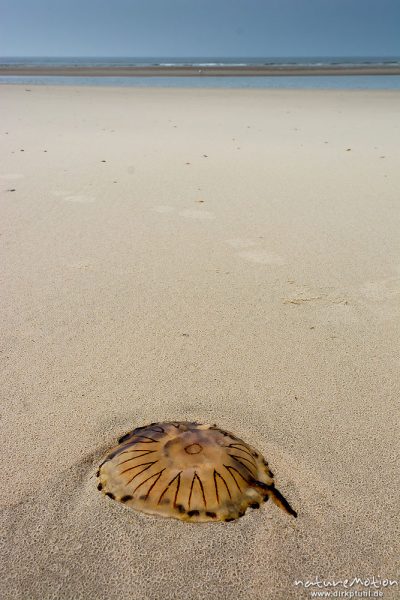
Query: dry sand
256,287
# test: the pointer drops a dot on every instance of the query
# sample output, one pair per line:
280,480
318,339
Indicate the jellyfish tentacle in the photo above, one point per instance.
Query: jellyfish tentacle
276,496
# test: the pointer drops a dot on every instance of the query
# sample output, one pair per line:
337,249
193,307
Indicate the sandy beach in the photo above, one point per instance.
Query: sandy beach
220,256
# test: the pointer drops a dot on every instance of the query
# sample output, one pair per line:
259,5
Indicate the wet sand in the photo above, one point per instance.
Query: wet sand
229,257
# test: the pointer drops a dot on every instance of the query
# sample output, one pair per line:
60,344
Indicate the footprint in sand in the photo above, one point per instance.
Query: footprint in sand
8,176
199,215
302,295
382,290
250,250
240,243
262,257
69,197
61,193
163,209
79,198
80,266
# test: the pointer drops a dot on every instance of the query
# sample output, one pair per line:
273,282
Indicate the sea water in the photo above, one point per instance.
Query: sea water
281,81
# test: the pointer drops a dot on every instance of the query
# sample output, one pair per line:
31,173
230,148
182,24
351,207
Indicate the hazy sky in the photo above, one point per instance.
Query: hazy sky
199,27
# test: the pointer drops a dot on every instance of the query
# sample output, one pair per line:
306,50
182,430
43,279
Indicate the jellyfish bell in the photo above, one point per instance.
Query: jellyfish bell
188,471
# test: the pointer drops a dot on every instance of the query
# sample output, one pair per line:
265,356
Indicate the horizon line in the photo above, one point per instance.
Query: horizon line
199,56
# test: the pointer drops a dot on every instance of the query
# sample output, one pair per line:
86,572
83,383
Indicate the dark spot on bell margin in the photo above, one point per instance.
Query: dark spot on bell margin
193,513
110,495
229,519
180,508
100,487
98,473
126,498
213,515
242,513
254,505
124,437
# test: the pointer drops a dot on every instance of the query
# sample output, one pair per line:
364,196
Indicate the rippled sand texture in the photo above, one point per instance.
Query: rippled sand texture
227,257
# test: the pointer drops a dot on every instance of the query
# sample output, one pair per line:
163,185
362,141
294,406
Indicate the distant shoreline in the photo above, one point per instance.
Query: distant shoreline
196,71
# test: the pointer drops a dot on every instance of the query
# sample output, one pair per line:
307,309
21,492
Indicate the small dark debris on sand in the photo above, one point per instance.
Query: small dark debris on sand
11,190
